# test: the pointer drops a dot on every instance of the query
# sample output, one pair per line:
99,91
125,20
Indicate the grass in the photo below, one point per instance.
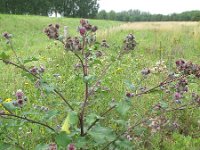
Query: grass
167,41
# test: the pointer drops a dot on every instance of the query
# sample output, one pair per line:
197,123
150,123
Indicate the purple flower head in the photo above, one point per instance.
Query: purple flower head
129,95
52,146
88,27
145,71
42,69
82,31
19,94
71,147
180,62
52,31
34,70
177,96
94,28
57,26
20,102
83,22
7,35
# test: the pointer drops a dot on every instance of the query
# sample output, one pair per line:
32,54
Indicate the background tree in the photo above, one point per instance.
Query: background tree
112,15
72,8
102,15
87,8
137,15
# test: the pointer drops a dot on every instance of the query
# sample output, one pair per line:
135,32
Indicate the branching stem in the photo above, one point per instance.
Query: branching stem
29,120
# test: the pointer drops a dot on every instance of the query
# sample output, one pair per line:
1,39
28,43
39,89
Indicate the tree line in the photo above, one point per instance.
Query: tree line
136,15
87,9
69,8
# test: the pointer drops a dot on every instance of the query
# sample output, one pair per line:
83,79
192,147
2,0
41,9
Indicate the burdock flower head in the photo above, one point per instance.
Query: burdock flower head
145,71
104,44
19,94
71,147
82,31
20,98
85,27
73,44
7,35
129,42
188,68
52,31
94,28
34,70
83,22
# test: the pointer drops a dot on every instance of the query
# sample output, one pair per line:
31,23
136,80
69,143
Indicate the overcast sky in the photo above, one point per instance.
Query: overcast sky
152,6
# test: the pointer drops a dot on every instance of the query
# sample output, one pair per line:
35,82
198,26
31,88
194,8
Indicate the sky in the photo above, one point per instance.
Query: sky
152,6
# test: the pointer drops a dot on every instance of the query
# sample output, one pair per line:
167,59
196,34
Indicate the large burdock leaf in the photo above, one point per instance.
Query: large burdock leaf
9,106
123,107
63,139
102,134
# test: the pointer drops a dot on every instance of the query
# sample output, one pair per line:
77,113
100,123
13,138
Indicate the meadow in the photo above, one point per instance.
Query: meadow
159,46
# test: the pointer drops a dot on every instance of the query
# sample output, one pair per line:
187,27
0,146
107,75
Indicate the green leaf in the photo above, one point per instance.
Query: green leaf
73,118
31,59
123,107
81,142
42,147
4,146
140,131
50,114
164,104
91,118
124,144
28,75
96,45
62,139
60,38
47,88
4,56
96,61
88,79
102,134
9,106
129,84
120,122
113,59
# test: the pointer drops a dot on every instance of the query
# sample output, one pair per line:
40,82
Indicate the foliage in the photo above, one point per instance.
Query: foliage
72,8
136,15
98,114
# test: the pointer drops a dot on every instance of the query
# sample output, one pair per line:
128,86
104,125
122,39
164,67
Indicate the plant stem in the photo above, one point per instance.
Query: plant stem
143,121
63,98
139,94
165,82
12,48
103,73
85,74
29,120
102,115
37,77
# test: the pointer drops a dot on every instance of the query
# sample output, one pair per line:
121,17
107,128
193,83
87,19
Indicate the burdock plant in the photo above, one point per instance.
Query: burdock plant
83,128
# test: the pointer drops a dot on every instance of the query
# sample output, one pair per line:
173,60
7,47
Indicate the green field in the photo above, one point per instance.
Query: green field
157,41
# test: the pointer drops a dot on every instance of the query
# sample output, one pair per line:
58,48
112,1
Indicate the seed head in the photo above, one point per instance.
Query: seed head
145,71
7,35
